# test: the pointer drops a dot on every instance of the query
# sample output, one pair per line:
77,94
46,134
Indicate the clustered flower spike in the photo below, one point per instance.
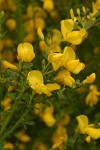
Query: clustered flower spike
85,128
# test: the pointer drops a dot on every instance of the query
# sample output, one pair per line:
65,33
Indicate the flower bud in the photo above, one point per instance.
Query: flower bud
25,52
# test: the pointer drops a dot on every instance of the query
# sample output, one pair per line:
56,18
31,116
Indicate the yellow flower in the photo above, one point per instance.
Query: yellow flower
25,52
67,60
85,128
48,5
92,132
66,27
92,98
65,78
59,137
11,24
74,37
40,34
82,123
23,137
89,79
35,79
7,65
56,59
39,22
96,7
74,66
49,119
88,139
8,145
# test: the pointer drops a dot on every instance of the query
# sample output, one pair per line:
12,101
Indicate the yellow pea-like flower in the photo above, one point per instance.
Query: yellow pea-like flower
6,65
40,33
85,128
74,66
82,123
92,132
66,27
64,77
49,119
25,52
36,82
48,5
8,145
90,78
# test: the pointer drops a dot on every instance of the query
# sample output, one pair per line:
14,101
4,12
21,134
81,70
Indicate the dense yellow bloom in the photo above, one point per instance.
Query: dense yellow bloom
85,128
89,79
35,79
25,52
74,37
8,65
93,97
65,78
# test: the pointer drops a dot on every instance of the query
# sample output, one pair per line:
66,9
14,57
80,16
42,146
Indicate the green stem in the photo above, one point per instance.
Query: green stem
9,115
16,125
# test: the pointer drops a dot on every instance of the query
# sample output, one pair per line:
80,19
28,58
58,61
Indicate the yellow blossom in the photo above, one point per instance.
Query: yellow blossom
92,98
65,78
74,37
56,59
49,119
96,7
39,22
8,145
88,139
48,5
74,66
23,137
92,132
66,27
8,65
6,103
59,137
11,24
67,60
35,79
43,46
85,128
25,52
40,34
89,79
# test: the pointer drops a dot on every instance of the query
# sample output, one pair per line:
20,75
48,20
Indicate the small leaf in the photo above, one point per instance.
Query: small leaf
12,95
30,123
27,65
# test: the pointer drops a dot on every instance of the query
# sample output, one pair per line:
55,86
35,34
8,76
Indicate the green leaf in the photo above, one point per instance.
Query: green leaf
27,65
12,95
